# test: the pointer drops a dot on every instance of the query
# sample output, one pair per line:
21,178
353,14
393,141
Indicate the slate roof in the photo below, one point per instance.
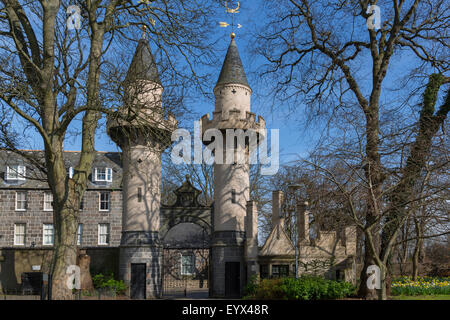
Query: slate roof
232,69
143,66
37,180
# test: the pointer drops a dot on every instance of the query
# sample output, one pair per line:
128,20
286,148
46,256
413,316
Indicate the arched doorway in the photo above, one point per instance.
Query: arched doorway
185,233
186,261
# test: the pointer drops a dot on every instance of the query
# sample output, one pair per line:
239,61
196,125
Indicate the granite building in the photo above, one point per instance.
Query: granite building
160,248
26,216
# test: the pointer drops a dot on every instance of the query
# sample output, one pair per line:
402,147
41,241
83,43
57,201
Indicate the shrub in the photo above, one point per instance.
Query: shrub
303,288
251,286
101,281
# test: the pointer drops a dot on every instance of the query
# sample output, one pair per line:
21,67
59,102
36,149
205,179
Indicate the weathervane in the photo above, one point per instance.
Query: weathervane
226,24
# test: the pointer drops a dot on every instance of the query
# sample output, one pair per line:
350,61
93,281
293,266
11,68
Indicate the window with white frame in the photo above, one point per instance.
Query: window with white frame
79,234
21,200
16,172
70,172
187,264
48,201
104,201
19,234
47,234
103,233
103,174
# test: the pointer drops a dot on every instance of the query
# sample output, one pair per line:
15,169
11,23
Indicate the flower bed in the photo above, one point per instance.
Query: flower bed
423,286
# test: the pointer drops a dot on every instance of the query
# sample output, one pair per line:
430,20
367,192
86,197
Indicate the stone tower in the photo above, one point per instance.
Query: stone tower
142,132
231,180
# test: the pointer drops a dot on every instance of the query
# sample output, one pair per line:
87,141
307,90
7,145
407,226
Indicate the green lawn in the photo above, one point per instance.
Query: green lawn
428,297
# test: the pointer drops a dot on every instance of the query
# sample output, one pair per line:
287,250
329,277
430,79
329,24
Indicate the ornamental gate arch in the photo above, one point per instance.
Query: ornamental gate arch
185,234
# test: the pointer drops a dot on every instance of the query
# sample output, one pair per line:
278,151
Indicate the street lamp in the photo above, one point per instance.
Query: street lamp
295,187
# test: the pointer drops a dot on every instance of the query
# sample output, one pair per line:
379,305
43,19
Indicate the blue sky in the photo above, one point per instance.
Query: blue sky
294,140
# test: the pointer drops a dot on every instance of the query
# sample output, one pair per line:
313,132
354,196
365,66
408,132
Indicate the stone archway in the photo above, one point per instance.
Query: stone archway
185,234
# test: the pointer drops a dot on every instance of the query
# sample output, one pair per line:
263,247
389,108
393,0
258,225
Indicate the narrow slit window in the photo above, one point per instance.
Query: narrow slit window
82,204
233,196
139,194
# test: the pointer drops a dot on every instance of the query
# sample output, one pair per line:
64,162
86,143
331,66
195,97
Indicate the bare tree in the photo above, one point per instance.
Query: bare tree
52,77
322,54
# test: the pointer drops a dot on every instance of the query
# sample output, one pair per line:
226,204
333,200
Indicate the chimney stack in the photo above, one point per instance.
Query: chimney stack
303,222
251,241
277,200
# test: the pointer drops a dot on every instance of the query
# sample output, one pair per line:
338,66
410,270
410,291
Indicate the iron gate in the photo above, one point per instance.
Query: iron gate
185,272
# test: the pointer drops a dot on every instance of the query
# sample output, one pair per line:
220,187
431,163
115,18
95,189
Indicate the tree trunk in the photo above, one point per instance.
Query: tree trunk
364,291
67,193
417,249
428,125
65,221
382,293
65,252
374,176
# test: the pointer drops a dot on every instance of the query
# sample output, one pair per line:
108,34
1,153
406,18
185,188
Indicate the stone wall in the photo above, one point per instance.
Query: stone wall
15,261
151,255
104,260
227,246
328,256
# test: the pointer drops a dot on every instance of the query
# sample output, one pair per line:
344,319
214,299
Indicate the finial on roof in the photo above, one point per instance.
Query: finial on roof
144,32
232,35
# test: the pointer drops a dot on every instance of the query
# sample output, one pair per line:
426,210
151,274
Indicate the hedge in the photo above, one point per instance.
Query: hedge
303,288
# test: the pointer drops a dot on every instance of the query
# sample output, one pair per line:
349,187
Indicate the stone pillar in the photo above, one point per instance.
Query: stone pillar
277,201
231,193
251,231
83,261
140,241
141,156
303,222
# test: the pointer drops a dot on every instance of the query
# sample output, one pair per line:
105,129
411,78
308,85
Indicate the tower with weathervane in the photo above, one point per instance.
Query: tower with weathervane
234,243
142,132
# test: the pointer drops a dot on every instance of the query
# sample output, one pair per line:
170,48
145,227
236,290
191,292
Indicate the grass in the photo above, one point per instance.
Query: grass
423,297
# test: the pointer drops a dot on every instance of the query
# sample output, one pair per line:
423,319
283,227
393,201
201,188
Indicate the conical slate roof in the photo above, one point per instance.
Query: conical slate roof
143,66
232,69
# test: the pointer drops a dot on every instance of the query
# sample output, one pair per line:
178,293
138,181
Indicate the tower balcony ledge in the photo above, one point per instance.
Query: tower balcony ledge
233,119
158,128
